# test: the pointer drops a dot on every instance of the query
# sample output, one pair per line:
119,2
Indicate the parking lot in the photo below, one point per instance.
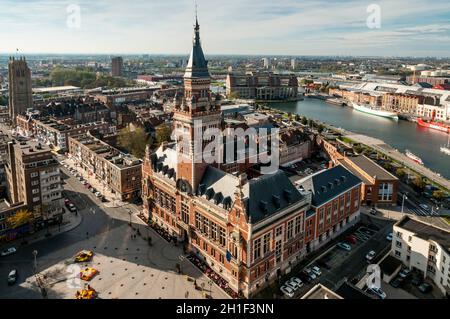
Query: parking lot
335,264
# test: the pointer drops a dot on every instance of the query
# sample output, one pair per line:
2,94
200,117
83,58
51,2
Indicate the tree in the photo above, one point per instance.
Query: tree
20,218
321,128
438,195
163,133
400,173
418,184
304,120
233,95
3,101
134,141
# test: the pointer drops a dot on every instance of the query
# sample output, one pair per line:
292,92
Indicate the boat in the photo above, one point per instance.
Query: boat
414,157
373,111
434,125
446,148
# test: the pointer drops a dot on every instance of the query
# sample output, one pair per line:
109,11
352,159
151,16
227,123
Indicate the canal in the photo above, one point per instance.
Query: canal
401,135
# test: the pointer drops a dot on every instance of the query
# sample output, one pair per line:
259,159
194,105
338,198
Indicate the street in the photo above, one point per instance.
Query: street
125,264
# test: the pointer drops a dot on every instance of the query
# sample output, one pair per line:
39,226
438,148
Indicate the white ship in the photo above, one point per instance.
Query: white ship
414,157
373,111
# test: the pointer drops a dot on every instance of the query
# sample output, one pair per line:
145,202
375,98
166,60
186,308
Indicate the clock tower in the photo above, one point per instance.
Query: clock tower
198,110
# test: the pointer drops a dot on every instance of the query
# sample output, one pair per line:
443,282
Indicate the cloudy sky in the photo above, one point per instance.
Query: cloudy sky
285,27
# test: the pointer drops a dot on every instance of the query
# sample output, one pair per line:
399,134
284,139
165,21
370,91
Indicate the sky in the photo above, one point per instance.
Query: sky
255,27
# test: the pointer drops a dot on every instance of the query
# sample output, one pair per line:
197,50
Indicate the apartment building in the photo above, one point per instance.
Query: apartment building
424,245
294,146
262,86
34,178
402,103
116,170
56,133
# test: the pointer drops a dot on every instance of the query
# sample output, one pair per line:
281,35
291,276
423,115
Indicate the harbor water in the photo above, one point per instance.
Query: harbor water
401,135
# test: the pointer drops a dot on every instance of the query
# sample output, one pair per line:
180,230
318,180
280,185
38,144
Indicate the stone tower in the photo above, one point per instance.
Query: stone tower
197,110
20,91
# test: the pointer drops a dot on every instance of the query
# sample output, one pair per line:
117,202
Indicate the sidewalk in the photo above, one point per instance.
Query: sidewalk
70,222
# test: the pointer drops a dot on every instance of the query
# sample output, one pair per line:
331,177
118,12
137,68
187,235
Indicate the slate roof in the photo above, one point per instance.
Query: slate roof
197,66
330,183
218,187
269,194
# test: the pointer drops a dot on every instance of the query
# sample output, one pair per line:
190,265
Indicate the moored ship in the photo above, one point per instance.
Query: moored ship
434,125
414,157
373,111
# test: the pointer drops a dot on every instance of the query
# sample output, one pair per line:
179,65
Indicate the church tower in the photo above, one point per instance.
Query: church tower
20,91
198,110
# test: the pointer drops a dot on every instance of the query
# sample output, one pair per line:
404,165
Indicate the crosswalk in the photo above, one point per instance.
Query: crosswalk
420,212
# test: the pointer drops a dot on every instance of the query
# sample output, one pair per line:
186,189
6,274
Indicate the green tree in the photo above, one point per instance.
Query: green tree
321,128
304,120
134,141
20,218
3,101
163,133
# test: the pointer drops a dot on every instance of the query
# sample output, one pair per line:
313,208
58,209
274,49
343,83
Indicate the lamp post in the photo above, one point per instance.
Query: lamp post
403,201
130,213
34,253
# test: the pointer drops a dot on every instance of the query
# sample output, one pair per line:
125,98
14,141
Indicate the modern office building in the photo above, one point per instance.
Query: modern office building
262,86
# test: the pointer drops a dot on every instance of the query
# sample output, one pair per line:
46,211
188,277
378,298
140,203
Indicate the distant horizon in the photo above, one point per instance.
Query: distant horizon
14,54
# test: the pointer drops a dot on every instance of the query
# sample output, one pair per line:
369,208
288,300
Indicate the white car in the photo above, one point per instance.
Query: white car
378,292
389,237
291,285
297,281
288,292
310,273
8,251
98,194
371,254
316,270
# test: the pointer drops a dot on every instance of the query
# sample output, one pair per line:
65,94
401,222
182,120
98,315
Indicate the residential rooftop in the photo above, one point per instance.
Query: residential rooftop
321,292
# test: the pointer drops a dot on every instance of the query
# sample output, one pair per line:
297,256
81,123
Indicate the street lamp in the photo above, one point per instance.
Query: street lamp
403,202
130,213
34,253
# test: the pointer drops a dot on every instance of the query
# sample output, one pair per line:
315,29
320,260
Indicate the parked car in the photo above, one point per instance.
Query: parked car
405,272
66,201
316,271
72,208
351,239
397,282
9,251
305,277
389,237
370,255
84,183
287,291
12,277
424,207
80,178
377,292
87,185
373,211
417,280
93,190
310,273
103,199
344,246
98,194
291,285
425,288
297,281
